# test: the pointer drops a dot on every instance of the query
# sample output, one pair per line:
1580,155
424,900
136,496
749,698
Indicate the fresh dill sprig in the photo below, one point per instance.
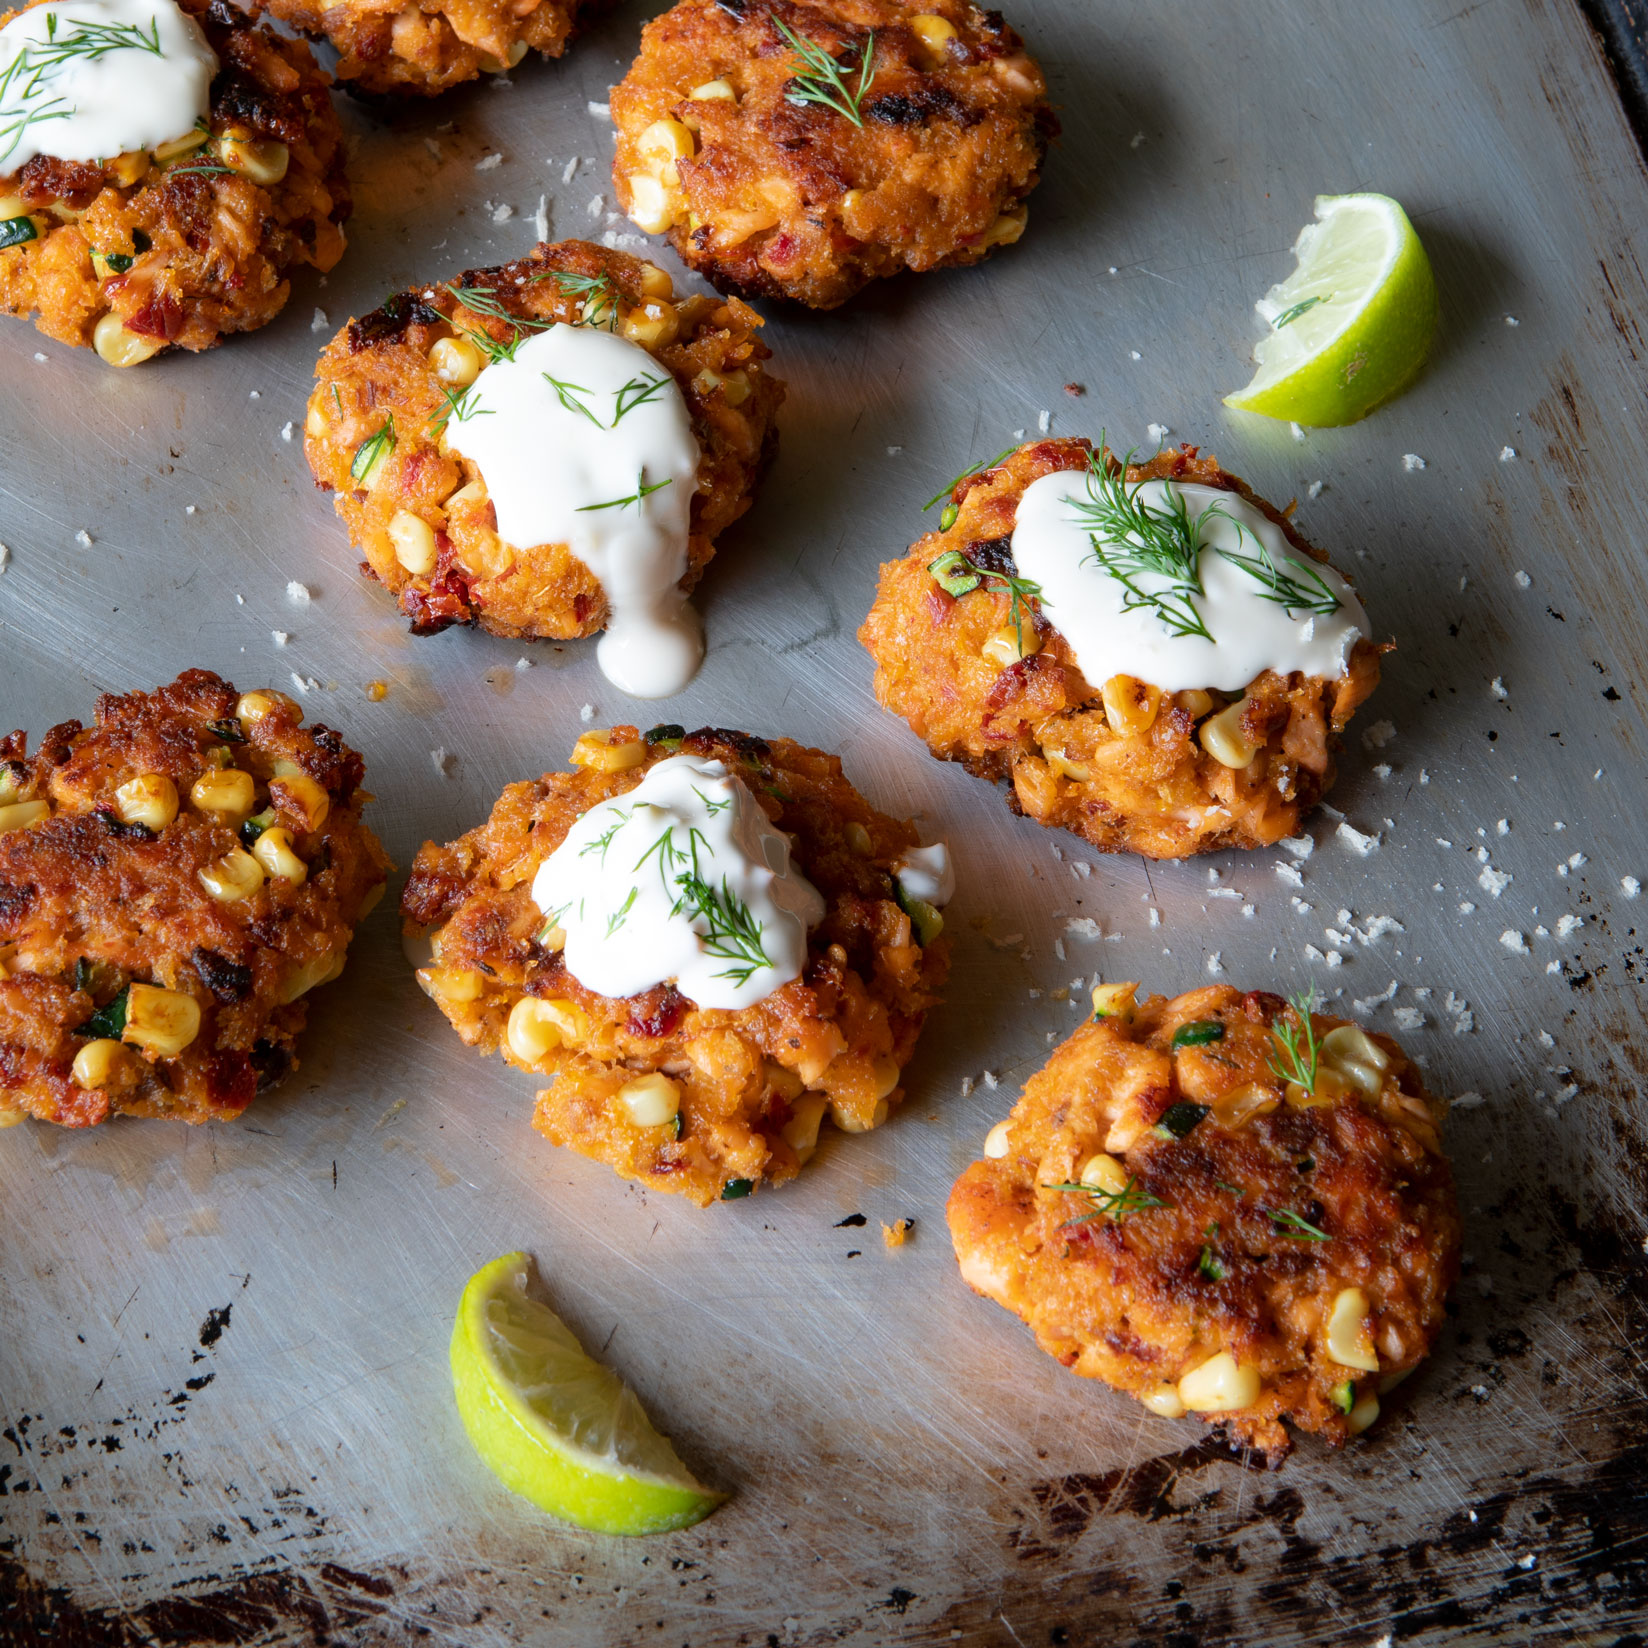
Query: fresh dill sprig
373,450
458,408
1131,1198
1300,1229
637,392
822,81
567,394
26,83
1307,593
1210,1264
483,300
205,169
712,807
956,575
731,932
972,469
621,915
1294,1051
604,840
1289,316
642,490
599,293
1132,540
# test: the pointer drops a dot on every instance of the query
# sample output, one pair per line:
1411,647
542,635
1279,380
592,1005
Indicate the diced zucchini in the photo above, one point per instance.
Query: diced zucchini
924,918
1198,1033
667,733
954,573
15,231
734,1189
1179,1119
107,1023
1344,1396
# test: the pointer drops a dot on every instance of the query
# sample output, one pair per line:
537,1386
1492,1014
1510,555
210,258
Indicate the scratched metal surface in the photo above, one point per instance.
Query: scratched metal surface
223,1352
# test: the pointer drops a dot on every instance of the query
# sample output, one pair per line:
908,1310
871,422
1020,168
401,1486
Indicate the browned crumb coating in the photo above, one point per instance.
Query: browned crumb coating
754,1084
184,250
419,49
1241,1239
380,368
1118,763
767,194
127,984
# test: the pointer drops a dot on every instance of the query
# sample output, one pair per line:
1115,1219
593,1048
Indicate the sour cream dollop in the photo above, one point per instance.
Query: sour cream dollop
1052,547
91,79
680,879
926,873
583,439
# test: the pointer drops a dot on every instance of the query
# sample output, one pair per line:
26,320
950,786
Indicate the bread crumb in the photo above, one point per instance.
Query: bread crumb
895,1234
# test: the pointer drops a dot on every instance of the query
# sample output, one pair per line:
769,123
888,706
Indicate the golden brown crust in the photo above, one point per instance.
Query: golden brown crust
378,367
795,200
90,903
210,251
1040,724
837,1035
420,49
1142,1300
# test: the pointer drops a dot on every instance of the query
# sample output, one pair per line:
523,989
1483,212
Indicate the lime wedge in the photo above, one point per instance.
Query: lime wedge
1351,326
555,1426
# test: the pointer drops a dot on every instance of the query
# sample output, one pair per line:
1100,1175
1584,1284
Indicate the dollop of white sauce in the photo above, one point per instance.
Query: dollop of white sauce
91,79
559,475
1052,547
927,873
681,878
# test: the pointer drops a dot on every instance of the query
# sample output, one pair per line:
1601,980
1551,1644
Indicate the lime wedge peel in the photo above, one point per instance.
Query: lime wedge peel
554,1425
1352,325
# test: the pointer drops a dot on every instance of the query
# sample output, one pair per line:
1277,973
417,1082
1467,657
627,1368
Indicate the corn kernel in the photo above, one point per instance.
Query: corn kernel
734,386
457,984
253,706
1357,1057
263,163
1164,1402
1349,1338
488,64
650,207
292,786
273,850
1066,768
597,751
1239,1106
531,1032
851,1121
664,143
173,147
1221,736
651,1100
656,283
97,1062
235,876
1103,1172
1130,705
1195,700
1220,1385
118,347
162,1022
858,840
314,425
800,1132
457,361
127,168
714,91
570,1019
414,542
227,792
377,691
652,325
1008,227
1012,643
149,799
322,970
21,814
1115,1001
997,1141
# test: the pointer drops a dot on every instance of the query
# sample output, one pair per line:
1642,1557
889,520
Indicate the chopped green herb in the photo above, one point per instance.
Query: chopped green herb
83,974
1235,1190
1294,1052
604,840
1301,1229
958,576
1289,316
821,81
731,933
228,729
948,516
954,573
621,915
1198,1033
1131,1198
457,408
373,450
107,1023
971,469
567,394
202,170
675,1124
1180,1119
1210,1264
637,392
256,825
16,231
598,292
1309,592
735,1189
483,300
1305,1164
642,490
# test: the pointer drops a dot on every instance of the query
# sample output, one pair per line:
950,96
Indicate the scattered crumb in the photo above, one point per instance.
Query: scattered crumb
1300,846
377,691
83,538
1630,886
1507,454
489,163
895,1234
1522,580
1408,1018
1514,941
318,321
1133,354
1468,1101
1078,388
299,593
1503,827
286,430
5,555
540,218
1298,430
1412,461
502,212
1215,963
1492,881
571,167
1511,320
1498,688
1359,843
1378,735
1316,489
1044,421
601,111
442,761
587,713
281,637
1136,141
1158,432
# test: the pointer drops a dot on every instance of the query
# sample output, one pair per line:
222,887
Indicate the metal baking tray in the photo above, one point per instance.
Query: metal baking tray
223,1382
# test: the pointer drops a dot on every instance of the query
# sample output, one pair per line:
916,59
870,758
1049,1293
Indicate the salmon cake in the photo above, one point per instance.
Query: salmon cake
548,450
1225,1204
164,168
802,148
706,942
173,882
388,47
1149,654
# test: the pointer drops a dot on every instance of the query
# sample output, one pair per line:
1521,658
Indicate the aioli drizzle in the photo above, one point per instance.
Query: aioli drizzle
1249,634
583,439
680,878
87,80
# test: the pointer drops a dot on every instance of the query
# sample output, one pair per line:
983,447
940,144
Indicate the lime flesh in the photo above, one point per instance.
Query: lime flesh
1351,326
554,1425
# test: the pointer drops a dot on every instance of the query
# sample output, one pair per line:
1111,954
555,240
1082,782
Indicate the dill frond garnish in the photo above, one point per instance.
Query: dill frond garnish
1117,1204
822,81
1294,1051
947,518
567,394
642,490
483,300
956,575
637,392
1307,593
373,450
1290,1224
1289,316
598,292
730,932
458,408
